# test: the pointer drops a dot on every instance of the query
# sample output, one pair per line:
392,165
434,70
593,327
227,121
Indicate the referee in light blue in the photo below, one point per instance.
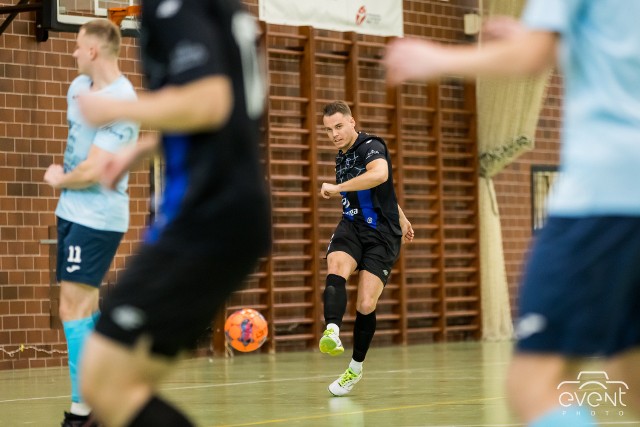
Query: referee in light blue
91,219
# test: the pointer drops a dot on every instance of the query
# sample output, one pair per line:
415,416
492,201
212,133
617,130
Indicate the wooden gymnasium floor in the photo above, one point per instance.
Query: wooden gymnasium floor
455,384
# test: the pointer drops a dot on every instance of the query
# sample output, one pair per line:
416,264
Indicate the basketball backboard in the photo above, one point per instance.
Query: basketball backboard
69,15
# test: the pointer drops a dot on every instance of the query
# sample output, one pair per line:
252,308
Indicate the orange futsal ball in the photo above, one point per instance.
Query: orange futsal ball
246,330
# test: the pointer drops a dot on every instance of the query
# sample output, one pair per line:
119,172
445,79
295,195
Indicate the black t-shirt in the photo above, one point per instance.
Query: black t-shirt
376,207
212,177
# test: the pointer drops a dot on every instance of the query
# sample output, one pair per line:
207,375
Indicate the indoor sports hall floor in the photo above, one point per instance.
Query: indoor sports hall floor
455,384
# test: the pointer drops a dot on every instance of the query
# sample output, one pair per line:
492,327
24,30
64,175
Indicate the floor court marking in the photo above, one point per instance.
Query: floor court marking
475,425
341,413
469,425
406,407
370,411
29,399
241,383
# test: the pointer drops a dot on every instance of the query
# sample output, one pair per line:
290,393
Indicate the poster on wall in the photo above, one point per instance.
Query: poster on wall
375,17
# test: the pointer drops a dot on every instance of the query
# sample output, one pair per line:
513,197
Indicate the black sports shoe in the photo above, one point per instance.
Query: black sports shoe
73,420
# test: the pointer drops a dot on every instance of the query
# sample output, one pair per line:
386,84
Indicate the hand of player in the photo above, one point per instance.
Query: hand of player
329,190
407,232
53,175
502,27
97,110
411,59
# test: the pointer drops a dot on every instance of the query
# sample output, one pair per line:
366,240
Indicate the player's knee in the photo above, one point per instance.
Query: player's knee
65,316
73,308
66,311
366,306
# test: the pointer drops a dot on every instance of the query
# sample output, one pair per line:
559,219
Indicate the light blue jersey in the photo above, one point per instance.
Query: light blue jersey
600,58
96,206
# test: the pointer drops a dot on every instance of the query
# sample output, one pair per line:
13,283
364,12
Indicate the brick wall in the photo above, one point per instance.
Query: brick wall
34,78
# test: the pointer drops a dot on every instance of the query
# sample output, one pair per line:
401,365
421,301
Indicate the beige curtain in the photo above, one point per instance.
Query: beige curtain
508,112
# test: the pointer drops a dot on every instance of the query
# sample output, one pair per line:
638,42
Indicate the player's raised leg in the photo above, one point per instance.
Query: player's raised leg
340,267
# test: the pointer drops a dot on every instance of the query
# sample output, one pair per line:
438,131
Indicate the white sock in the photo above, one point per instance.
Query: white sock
335,328
80,409
356,366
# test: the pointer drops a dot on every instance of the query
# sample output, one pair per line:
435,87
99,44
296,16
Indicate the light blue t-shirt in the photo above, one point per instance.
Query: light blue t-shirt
96,207
600,59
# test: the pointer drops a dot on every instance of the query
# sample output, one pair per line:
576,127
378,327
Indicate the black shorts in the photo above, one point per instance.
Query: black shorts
374,251
171,292
84,254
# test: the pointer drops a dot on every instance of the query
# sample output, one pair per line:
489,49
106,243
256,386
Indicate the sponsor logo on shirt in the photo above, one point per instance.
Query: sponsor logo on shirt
372,153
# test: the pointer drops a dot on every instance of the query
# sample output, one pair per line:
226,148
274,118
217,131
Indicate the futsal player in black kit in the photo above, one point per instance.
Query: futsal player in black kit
368,237
206,98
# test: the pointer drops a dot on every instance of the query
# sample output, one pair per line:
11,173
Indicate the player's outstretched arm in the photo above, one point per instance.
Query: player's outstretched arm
86,174
517,51
377,173
203,104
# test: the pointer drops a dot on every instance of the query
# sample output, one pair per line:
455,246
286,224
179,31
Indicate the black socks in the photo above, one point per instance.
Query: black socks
335,299
363,331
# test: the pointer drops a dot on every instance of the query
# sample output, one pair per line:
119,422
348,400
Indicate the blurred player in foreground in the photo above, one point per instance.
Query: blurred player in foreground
580,294
206,97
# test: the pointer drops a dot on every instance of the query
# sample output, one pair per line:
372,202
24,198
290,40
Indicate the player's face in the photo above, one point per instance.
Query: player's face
341,130
84,52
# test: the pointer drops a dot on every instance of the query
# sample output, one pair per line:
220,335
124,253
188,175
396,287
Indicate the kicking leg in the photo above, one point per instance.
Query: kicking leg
340,267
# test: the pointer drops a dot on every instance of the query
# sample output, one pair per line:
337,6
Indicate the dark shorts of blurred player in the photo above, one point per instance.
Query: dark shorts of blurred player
173,287
574,264
374,251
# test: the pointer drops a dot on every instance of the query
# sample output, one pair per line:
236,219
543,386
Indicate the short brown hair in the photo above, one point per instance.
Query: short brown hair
336,107
106,31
